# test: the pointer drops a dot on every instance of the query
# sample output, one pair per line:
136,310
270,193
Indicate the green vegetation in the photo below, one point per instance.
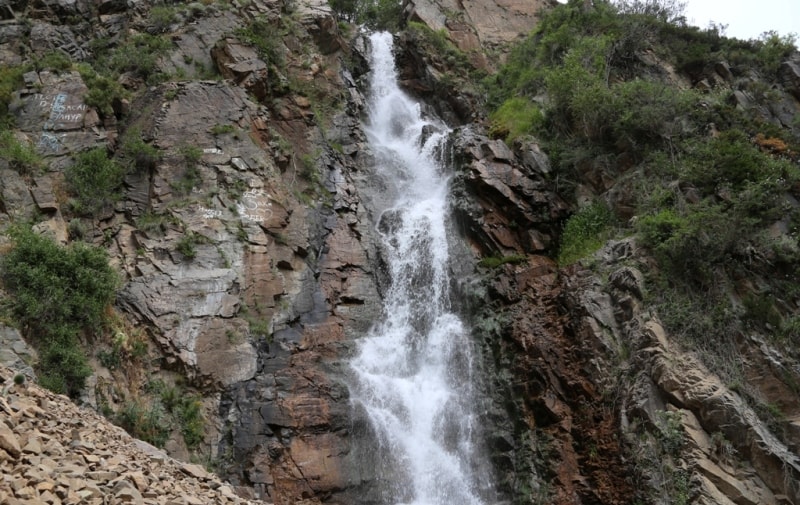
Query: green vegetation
260,326
498,261
138,55
145,422
222,129
191,177
266,38
56,61
10,81
584,233
138,155
182,410
155,224
103,90
710,184
161,17
58,294
187,244
517,116
95,179
20,155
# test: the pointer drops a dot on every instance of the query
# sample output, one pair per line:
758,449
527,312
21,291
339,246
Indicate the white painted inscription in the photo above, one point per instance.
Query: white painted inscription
255,206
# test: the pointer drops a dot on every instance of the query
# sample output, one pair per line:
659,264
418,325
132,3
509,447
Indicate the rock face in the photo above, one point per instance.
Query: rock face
473,24
53,452
247,252
595,382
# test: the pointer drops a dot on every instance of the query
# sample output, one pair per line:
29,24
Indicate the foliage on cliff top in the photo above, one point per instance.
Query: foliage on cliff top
710,184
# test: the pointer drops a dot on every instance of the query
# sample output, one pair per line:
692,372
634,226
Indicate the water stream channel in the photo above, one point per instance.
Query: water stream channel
413,371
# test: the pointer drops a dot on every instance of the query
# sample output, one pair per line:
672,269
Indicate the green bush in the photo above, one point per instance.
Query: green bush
95,179
584,233
516,117
648,112
773,49
498,261
63,366
221,129
10,81
53,60
103,90
57,294
264,36
138,155
160,18
191,177
185,411
188,242
139,55
20,156
145,422
728,160
154,224
192,422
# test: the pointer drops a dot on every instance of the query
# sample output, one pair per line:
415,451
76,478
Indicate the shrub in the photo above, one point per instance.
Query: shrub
184,410
57,293
262,35
583,233
139,55
191,176
146,422
10,81
773,49
20,155
160,19
138,155
95,179
63,366
498,261
516,117
103,90
154,224
191,420
187,244
53,60
728,160
648,112
221,129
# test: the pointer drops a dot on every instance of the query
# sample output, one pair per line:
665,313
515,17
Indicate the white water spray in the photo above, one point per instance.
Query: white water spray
412,371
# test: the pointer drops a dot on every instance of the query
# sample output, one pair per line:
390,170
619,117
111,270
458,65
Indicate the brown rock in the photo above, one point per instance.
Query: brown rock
195,471
8,441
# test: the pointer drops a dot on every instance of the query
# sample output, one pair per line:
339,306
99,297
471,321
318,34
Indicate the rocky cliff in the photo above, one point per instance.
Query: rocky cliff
241,229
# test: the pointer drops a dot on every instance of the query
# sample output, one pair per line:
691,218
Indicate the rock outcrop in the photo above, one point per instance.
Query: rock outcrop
477,26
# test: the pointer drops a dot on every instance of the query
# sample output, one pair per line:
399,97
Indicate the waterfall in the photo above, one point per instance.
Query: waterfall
412,371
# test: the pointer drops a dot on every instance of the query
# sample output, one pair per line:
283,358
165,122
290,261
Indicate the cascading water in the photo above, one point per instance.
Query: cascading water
412,371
